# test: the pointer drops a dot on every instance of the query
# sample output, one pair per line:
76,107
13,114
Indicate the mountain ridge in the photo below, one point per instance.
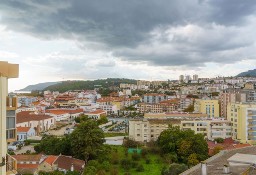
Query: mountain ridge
249,73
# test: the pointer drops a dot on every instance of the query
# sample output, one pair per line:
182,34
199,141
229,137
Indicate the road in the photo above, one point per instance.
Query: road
24,149
59,132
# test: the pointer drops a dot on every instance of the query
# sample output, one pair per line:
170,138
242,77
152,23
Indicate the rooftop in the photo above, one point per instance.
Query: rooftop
216,163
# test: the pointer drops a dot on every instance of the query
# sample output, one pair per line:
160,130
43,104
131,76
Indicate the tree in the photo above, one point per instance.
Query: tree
192,159
53,145
90,170
190,108
217,149
183,143
102,120
87,140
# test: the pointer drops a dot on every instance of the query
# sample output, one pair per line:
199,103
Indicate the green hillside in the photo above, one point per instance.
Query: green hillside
90,85
249,73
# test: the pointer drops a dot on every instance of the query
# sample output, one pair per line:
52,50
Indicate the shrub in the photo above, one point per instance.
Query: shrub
135,156
114,171
115,158
219,140
134,164
144,152
140,168
126,164
147,161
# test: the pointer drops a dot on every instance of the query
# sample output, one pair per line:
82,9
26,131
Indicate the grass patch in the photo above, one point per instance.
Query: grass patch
152,163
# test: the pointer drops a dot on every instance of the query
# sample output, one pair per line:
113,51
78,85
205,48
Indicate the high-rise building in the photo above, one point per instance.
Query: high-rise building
181,78
195,77
243,119
7,117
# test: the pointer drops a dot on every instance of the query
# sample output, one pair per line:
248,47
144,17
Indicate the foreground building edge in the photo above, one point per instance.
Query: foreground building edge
7,71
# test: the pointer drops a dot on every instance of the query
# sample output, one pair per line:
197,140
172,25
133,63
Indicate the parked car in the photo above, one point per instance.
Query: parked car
68,131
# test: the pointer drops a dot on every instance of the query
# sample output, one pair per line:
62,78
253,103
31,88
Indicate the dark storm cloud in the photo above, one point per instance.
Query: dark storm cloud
125,27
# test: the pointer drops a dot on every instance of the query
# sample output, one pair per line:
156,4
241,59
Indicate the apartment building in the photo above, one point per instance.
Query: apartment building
145,130
243,121
149,128
7,116
212,129
154,98
207,106
163,106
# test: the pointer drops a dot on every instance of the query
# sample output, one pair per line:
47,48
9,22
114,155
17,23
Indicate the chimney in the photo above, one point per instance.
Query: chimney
226,169
204,168
72,167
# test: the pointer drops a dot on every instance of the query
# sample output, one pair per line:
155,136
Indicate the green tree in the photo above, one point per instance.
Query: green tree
53,145
183,143
90,170
192,159
87,140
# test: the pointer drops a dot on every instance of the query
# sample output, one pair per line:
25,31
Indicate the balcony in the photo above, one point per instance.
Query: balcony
11,165
11,103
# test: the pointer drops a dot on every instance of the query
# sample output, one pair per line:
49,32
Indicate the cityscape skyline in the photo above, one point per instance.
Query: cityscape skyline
148,40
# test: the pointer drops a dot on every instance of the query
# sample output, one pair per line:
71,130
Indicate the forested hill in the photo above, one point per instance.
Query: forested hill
39,86
249,73
80,85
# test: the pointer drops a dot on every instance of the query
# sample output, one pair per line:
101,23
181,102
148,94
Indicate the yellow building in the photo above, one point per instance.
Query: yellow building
243,119
209,107
7,71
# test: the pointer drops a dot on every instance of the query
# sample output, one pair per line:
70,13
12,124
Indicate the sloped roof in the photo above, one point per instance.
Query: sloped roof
23,129
65,162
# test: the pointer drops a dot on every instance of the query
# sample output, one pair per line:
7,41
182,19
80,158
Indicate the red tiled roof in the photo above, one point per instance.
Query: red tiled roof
64,111
50,159
99,111
25,116
23,129
27,166
228,144
65,162
27,158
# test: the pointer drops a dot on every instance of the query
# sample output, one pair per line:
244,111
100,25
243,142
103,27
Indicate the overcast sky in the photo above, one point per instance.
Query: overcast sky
140,39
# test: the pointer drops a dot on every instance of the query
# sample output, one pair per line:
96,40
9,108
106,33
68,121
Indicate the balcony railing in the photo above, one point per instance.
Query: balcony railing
11,165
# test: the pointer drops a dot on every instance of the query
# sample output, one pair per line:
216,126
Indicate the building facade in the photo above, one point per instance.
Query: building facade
243,120
209,107
7,71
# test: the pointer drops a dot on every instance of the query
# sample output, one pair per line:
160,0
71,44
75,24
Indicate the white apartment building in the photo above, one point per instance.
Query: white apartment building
212,129
145,130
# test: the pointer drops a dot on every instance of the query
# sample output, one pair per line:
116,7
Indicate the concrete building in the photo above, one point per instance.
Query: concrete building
195,77
149,128
212,129
243,119
154,98
181,78
145,130
7,116
207,106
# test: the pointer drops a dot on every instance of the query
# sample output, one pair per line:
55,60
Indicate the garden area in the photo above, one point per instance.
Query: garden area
123,160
